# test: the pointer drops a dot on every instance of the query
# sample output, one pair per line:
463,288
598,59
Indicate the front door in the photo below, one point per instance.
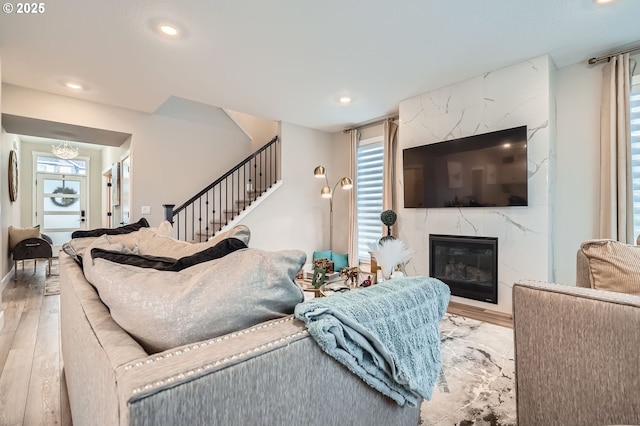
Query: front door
61,205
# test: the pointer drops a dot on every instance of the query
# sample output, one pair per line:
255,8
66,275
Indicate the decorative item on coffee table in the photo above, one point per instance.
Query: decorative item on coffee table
325,264
390,254
318,277
366,282
351,276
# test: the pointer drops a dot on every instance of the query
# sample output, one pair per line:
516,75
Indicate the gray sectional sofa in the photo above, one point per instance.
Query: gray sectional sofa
577,349
269,374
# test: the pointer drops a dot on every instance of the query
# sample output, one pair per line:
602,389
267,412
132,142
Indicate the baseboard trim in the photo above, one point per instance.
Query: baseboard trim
3,285
481,314
6,279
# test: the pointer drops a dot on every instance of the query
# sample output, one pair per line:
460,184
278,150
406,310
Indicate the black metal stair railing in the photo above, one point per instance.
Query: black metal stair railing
207,212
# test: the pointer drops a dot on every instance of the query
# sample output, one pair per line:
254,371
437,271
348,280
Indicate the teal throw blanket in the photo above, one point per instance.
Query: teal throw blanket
388,334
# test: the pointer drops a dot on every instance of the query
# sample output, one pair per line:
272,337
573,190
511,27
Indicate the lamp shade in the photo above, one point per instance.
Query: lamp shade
325,192
346,183
319,172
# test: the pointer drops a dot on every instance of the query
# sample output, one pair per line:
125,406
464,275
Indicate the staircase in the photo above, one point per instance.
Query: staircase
224,202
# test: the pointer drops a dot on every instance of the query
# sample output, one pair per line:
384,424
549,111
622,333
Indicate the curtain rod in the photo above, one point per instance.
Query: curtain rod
371,123
608,57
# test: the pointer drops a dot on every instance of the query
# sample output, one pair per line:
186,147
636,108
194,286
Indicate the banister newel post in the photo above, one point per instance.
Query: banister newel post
168,212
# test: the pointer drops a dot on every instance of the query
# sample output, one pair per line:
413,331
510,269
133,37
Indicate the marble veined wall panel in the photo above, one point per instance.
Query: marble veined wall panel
513,96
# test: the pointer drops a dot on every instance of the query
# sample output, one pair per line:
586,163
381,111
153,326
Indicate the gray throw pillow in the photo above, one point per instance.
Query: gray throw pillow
163,310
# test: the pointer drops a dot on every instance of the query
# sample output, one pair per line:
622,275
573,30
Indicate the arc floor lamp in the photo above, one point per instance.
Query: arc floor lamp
327,192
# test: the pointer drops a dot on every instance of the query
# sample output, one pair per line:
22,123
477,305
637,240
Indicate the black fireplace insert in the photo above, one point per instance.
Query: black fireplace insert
468,265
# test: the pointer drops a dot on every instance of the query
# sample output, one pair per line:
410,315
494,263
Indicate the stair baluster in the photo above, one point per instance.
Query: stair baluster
223,198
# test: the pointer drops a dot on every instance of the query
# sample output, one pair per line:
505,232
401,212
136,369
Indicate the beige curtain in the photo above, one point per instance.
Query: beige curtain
616,198
389,178
354,136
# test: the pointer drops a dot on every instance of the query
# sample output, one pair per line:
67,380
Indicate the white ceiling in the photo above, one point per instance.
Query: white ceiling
291,60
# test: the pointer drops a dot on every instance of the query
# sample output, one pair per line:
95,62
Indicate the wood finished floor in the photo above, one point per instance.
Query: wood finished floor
32,386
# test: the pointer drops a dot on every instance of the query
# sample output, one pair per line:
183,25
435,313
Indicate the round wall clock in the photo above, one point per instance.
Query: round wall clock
13,175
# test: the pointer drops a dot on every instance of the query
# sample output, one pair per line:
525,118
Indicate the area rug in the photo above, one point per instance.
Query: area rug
477,382
52,282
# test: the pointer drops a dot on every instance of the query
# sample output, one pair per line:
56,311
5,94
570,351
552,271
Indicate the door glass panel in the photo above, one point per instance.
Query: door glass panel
52,221
60,165
61,186
60,204
61,195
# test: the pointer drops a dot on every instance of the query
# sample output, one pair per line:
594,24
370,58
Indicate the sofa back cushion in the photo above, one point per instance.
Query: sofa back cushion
613,266
155,244
162,309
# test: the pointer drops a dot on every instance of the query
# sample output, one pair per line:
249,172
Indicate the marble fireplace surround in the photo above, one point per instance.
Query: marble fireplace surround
517,95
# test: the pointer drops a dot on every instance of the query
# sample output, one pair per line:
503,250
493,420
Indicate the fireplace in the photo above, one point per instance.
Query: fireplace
468,265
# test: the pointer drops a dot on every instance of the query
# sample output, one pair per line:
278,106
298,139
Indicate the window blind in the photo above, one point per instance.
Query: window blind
369,168
635,151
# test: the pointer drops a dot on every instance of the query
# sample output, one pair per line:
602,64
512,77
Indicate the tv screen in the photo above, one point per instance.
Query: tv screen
487,170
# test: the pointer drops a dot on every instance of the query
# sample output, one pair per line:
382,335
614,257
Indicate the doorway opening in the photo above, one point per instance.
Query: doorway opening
61,196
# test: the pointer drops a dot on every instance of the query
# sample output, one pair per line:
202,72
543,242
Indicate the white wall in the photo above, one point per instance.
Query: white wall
260,130
577,201
110,156
513,96
295,216
3,249
171,158
338,167
9,211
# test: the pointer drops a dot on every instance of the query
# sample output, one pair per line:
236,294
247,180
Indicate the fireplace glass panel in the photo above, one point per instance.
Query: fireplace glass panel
468,265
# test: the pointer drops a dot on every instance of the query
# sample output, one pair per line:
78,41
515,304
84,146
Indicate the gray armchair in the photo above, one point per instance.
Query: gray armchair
33,248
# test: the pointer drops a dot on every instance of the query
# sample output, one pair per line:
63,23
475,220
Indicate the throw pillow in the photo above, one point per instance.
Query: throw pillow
151,243
164,229
18,234
340,261
142,223
163,310
613,266
77,246
221,249
240,232
141,261
327,254
102,242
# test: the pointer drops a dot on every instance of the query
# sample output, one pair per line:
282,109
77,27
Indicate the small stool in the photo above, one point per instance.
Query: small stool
32,248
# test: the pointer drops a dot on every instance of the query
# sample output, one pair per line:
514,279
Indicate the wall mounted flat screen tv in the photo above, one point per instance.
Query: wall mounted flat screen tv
486,170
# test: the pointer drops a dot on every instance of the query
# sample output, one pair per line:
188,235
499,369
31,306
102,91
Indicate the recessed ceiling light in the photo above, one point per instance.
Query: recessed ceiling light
603,1
345,99
73,85
168,30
